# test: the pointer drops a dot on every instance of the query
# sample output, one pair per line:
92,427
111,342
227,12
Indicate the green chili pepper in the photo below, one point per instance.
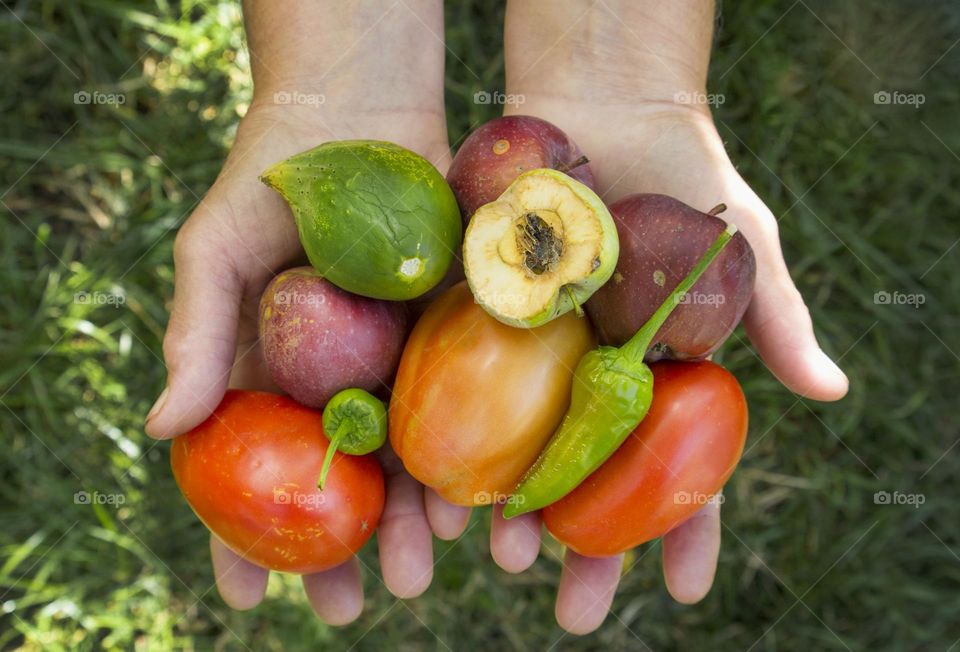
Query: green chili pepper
612,391
358,421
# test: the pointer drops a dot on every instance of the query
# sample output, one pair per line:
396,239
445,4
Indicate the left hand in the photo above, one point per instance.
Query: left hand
675,150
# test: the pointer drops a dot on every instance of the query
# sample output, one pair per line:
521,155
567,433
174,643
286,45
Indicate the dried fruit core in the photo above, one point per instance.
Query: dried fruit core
539,243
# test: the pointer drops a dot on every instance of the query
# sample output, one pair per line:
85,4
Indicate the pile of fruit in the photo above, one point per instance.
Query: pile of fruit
567,373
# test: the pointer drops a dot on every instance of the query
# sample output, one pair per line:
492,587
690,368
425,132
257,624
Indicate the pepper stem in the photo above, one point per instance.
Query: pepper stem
637,346
342,430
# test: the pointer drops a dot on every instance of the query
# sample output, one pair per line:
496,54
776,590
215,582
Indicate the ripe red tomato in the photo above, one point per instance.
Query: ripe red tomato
679,456
475,401
250,473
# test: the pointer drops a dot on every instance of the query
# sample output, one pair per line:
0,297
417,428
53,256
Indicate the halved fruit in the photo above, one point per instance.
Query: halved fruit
540,250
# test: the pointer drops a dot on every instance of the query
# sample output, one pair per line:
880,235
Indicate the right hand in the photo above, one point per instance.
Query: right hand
237,239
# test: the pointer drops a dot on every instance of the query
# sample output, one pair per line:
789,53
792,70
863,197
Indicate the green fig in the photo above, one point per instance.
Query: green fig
375,219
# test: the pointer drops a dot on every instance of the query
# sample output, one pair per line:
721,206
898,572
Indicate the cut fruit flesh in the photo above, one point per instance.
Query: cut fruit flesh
537,252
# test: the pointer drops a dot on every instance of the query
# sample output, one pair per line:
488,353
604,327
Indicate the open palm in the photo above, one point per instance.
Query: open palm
237,239
675,150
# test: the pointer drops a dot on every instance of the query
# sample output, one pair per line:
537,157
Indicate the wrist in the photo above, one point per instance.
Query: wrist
336,58
617,54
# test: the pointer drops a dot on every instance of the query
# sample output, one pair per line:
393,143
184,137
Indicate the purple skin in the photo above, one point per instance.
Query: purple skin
318,339
500,150
661,239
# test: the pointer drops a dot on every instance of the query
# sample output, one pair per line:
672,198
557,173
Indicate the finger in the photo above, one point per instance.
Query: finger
514,544
779,325
200,341
240,583
337,594
587,585
405,541
446,520
690,553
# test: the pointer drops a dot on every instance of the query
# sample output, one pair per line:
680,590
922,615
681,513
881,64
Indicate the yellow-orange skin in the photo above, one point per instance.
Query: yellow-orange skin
475,401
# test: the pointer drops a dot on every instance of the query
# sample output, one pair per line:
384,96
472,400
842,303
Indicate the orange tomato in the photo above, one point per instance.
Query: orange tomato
250,473
680,455
475,401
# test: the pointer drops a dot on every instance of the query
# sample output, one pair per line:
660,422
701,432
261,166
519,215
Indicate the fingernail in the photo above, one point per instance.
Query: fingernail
155,410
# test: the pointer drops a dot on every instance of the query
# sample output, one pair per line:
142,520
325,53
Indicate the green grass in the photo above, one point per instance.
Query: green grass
92,195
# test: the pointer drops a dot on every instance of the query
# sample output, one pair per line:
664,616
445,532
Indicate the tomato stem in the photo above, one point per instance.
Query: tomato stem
342,430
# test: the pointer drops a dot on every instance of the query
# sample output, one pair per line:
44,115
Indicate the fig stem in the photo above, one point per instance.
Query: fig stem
637,346
716,210
342,431
572,165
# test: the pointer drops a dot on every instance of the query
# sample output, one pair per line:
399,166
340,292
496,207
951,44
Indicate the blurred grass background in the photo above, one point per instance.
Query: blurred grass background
93,193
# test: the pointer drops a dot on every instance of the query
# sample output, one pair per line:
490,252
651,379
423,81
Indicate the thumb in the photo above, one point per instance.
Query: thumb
200,341
778,323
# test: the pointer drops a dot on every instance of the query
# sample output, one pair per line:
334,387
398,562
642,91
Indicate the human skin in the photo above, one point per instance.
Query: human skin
617,77
380,74
379,69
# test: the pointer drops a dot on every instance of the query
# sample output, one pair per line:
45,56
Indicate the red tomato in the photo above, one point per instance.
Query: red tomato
250,473
475,401
679,456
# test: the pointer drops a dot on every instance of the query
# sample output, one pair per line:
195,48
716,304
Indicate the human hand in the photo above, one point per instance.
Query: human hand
613,82
239,237
676,151
242,234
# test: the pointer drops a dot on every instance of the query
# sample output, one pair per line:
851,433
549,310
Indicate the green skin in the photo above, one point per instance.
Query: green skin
374,218
612,392
358,423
